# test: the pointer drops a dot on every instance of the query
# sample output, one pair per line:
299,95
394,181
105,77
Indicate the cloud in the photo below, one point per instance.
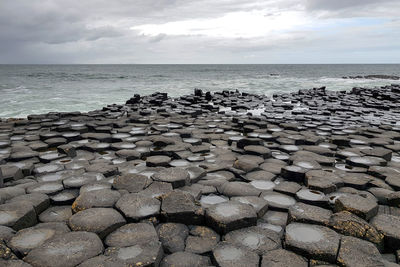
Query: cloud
198,31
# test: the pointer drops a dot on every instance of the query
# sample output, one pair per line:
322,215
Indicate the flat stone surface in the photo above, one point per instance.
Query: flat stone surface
388,225
173,236
56,214
278,201
180,207
360,206
101,221
185,259
103,198
201,240
137,206
134,183
178,177
312,241
131,234
155,161
229,256
69,249
281,257
357,252
17,215
349,224
30,238
233,189
39,201
304,213
259,204
255,239
229,216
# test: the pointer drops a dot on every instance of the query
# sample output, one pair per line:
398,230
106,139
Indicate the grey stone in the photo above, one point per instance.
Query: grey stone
137,206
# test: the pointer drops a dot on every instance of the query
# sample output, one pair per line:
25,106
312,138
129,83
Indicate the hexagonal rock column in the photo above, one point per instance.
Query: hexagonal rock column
388,225
228,216
180,207
66,250
363,207
313,241
18,215
230,256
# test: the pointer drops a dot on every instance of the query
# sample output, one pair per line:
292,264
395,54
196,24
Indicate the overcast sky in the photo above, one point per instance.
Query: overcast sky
199,31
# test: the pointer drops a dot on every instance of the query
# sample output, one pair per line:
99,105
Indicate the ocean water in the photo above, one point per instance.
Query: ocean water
34,89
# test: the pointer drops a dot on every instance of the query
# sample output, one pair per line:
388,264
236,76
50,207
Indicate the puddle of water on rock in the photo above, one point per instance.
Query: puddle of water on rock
253,240
227,210
212,199
263,185
310,194
47,168
280,199
179,163
304,234
305,165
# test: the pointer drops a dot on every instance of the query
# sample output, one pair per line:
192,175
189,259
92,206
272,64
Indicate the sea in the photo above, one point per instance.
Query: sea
37,89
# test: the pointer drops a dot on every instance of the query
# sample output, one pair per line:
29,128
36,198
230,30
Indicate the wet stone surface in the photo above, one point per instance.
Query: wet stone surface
207,179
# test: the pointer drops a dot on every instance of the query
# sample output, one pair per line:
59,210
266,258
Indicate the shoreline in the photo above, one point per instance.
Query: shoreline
228,177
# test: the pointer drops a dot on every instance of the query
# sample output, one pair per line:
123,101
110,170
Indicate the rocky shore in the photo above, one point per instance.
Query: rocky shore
310,178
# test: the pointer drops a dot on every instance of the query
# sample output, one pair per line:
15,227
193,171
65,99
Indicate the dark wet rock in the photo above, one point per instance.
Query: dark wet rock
388,226
69,249
137,206
157,161
101,221
293,173
281,257
132,234
178,177
358,205
246,165
304,213
278,201
393,199
229,216
56,214
255,239
185,259
230,255
357,252
312,241
146,254
349,224
17,215
173,236
39,201
133,183
356,180
180,207
201,240
103,198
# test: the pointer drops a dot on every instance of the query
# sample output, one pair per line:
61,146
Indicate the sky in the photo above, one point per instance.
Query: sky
199,31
